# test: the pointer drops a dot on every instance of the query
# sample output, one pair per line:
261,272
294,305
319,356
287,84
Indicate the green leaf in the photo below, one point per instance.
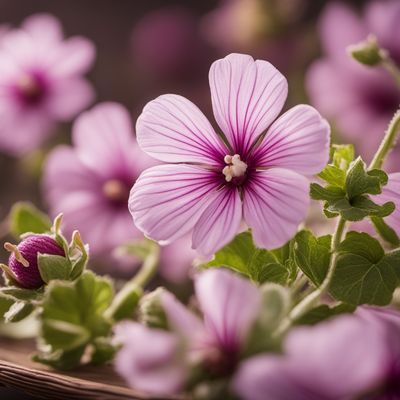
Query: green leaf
385,231
53,267
104,351
59,359
17,293
64,335
333,175
329,193
78,304
324,312
364,274
18,311
260,265
359,181
312,255
5,303
125,302
25,217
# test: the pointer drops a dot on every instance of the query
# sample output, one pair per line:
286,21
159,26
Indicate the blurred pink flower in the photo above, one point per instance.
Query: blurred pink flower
149,359
90,182
359,99
40,81
218,180
215,340
340,359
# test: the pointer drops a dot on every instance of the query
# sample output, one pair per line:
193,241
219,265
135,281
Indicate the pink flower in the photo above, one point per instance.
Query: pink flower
40,81
214,341
218,180
359,99
340,359
90,181
217,338
149,359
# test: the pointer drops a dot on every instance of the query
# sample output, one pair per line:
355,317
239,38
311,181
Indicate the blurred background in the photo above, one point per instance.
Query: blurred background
148,48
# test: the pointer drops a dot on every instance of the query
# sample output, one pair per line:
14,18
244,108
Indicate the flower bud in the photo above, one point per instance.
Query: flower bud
367,52
151,312
23,261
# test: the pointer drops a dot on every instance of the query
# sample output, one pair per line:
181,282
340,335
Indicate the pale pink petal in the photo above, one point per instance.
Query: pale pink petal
167,200
219,223
73,56
22,131
173,129
149,359
43,27
391,192
297,140
247,96
269,377
230,305
180,319
275,203
177,260
104,140
61,163
68,97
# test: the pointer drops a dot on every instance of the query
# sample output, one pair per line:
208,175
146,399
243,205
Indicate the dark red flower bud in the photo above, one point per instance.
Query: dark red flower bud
23,261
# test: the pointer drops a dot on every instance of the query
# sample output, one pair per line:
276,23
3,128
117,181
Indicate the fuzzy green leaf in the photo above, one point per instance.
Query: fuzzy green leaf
53,267
25,217
385,231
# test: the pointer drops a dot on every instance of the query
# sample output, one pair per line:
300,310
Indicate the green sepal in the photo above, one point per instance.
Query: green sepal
53,267
18,311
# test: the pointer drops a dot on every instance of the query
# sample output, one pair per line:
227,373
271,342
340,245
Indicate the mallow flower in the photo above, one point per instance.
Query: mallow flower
41,81
351,356
361,100
161,361
256,169
90,182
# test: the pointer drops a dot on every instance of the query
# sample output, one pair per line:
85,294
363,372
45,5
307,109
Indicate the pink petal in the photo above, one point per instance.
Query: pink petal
219,223
336,40
268,377
230,305
68,97
297,140
391,192
73,57
167,200
247,96
149,359
22,131
183,321
105,133
173,129
275,203
43,27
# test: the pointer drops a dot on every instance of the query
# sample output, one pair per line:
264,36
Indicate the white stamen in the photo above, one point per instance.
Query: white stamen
235,168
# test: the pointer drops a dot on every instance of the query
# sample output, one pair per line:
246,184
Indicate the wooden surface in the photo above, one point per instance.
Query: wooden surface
18,371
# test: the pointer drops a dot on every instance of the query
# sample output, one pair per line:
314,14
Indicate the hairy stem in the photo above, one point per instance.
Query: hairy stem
392,68
136,284
309,301
389,140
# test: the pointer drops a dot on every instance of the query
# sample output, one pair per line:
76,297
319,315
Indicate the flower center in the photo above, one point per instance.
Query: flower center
116,191
235,167
30,88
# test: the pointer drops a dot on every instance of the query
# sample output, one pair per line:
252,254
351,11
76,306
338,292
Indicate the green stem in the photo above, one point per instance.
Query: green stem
392,68
387,143
309,301
134,288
